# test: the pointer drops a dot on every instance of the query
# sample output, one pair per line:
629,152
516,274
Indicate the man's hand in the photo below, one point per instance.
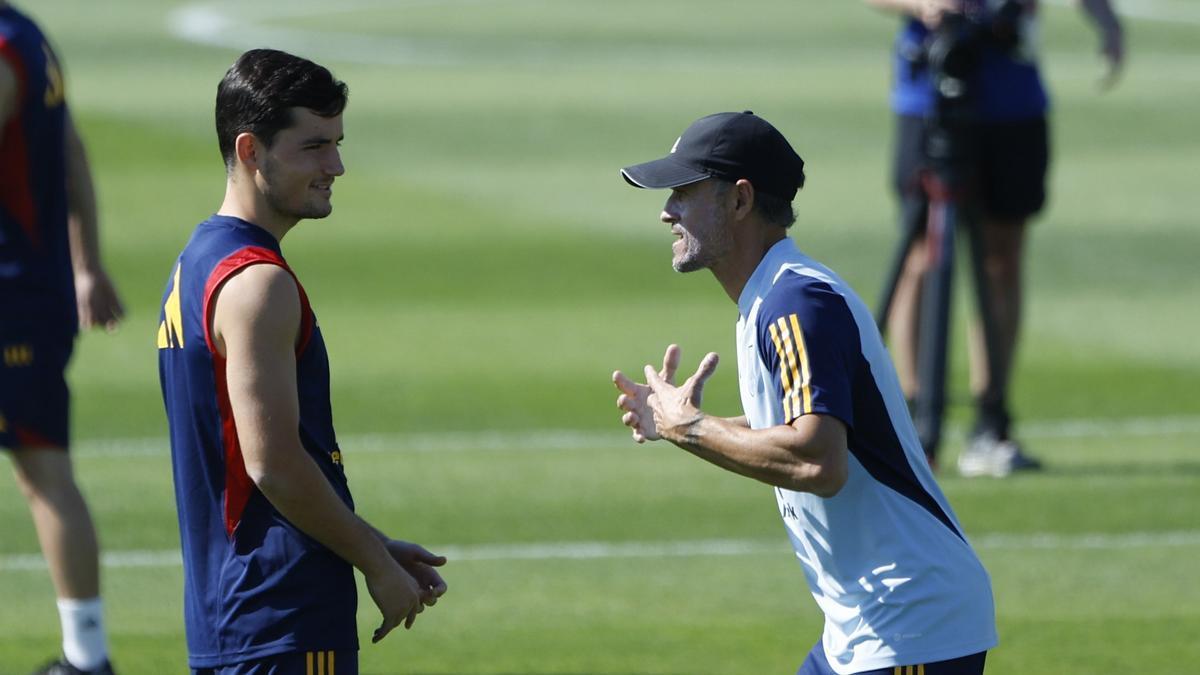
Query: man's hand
1112,39
659,409
420,564
635,399
397,595
97,300
930,12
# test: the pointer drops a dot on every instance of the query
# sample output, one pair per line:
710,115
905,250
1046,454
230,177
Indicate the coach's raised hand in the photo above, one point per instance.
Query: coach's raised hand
634,399
659,409
677,409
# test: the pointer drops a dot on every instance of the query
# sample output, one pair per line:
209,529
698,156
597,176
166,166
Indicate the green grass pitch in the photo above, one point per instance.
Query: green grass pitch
486,269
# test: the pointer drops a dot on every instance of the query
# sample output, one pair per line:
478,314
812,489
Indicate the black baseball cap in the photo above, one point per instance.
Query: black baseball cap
729,146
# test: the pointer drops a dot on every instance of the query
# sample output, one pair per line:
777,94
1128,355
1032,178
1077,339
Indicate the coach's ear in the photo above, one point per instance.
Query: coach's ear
743,196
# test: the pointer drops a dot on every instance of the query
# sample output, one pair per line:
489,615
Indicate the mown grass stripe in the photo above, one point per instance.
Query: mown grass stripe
572,439
596,550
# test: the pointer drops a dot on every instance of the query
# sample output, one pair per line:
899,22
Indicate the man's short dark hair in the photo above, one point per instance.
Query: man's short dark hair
259,91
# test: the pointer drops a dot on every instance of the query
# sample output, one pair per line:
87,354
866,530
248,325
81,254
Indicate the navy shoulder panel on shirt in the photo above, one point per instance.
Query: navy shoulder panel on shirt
809,341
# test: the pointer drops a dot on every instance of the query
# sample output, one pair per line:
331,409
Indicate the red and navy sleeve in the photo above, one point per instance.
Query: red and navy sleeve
809,341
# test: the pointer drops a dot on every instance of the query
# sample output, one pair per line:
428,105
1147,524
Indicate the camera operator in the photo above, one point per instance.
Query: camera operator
1008,157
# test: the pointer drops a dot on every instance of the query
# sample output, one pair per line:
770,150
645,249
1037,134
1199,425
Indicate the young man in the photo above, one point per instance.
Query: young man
51,283
1010,158
825,423
270,538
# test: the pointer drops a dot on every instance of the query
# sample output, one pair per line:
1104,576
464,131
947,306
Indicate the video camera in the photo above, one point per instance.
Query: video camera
953,50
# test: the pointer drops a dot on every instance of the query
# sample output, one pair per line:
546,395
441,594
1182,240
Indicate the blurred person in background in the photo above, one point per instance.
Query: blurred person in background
52,283
1009,156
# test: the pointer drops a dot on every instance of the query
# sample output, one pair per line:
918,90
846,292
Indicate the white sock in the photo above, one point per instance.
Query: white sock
85,643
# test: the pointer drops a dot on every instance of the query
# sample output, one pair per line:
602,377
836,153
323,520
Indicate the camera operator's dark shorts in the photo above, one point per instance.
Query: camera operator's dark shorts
1011,160
34,399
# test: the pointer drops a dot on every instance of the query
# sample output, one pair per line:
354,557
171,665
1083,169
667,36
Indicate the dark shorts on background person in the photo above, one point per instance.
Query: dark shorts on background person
327,662
34,399
816,664
1011,160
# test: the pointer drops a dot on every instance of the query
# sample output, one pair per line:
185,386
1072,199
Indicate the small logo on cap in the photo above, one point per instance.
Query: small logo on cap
676,145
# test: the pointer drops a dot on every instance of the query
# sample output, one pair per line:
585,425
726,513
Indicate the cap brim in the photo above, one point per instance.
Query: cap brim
662,173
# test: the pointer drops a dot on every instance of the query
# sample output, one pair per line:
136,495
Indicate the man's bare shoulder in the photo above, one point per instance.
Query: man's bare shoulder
259,300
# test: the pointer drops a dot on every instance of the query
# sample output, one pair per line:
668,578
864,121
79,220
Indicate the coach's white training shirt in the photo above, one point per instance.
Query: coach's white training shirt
885,558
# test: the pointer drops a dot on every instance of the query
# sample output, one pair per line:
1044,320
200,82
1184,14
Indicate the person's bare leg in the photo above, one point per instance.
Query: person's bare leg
1003,246
904,318
68,540
61,517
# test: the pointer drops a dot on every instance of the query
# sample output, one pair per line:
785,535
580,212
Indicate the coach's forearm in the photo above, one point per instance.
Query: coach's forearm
739,421
803,458
299,491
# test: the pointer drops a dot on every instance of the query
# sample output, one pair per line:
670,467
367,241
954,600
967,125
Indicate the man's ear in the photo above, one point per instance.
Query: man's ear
246,148
744,198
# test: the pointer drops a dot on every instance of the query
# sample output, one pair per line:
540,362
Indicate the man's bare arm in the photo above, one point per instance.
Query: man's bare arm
809,455
256,321
95,293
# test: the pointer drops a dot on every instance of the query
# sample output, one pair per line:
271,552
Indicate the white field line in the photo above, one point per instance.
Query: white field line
577,439
597,550
242,25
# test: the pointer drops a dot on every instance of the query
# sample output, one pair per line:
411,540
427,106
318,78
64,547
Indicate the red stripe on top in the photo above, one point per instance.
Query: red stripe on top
238,486
16,195
28,438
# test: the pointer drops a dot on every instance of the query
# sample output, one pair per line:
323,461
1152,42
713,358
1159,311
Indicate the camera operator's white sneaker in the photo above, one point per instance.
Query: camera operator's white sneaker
987,455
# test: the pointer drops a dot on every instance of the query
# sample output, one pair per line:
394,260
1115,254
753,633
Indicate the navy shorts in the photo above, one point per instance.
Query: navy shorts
816,664
329,662
34,400
1011,160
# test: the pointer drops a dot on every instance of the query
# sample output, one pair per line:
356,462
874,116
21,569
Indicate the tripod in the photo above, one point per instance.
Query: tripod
946,182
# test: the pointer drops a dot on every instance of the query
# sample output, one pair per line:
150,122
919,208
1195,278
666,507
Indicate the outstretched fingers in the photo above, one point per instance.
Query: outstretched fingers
708,366
624,384
670,363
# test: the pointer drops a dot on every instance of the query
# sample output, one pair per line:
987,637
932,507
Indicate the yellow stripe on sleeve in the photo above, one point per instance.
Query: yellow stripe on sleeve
789,346
308,663
805,371
783,373
332,672
320,663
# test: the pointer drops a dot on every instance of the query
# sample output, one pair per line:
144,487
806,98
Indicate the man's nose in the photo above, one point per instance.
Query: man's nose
334,166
